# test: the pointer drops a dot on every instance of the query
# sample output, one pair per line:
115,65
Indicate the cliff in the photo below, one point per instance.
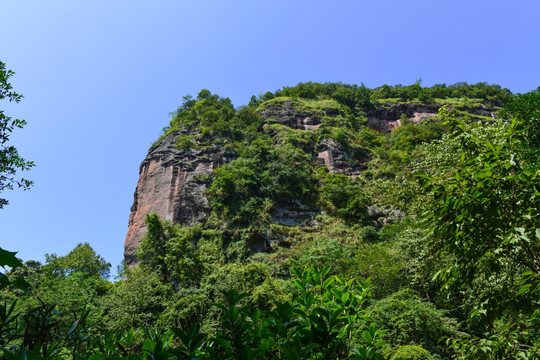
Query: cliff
168,186
175,176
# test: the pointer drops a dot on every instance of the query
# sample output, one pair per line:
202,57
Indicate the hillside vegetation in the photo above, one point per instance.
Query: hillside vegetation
324,238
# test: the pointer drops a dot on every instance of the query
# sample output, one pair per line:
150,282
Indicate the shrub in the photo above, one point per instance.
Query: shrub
412,352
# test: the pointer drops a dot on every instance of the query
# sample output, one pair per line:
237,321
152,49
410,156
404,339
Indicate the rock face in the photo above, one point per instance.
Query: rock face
293,213
172,181
387,116
286,114
338,161
329,153
170,185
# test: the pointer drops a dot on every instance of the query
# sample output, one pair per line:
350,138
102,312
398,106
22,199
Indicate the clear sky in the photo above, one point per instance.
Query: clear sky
100,78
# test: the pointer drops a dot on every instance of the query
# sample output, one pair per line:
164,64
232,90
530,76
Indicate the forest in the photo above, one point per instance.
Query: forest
426,247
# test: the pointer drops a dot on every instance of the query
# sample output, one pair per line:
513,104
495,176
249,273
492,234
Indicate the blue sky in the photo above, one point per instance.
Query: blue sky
100,78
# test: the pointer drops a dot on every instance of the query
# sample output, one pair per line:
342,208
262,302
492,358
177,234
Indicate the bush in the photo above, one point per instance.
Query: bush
342,197
412,352
245,190
410,320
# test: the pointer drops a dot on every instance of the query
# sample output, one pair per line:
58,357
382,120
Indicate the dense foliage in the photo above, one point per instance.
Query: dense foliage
420,243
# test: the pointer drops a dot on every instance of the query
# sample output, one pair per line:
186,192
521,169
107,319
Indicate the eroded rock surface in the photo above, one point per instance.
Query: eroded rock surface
388,116
339,161
171,185
285,113
293,214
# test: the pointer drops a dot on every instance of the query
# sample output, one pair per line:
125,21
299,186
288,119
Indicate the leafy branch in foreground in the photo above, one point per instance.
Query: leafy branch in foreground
10,160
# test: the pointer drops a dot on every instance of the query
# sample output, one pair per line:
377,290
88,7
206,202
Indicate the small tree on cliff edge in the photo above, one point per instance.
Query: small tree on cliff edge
10,160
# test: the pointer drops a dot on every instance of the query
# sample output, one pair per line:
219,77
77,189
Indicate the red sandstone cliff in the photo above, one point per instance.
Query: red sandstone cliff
169,186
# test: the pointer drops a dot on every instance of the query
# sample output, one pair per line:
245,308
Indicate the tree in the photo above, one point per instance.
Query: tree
527,108
484,215
246,189
82,259
342,197
410,320
137,300
168,249
10,160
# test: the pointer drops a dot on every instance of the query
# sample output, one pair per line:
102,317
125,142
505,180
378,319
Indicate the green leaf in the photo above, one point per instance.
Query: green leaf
328,282
483,174
7,258
233,313
73,327
490,145
367,336
523,289
299,284
20,283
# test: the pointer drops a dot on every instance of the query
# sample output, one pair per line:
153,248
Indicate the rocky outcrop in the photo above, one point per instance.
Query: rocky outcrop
297,117
303,116
285,113
340,161
383,215
386,117
293,213
171,184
